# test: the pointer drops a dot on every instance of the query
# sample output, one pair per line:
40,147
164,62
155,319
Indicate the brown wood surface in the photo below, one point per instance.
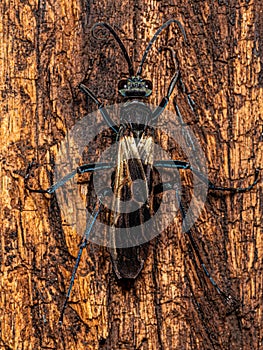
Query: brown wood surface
46,51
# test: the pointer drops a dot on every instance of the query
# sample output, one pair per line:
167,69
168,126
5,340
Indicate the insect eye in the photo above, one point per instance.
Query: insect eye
122,84
148,84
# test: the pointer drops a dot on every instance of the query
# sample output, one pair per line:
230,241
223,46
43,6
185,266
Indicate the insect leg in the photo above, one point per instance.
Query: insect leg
90,224
175,79
185,165
79,170
158,111
190,101
171,185
100,105
201,262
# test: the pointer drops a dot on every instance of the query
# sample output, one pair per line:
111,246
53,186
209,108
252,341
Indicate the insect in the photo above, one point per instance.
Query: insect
136,180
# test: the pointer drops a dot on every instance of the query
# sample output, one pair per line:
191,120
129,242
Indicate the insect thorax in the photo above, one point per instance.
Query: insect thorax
135,112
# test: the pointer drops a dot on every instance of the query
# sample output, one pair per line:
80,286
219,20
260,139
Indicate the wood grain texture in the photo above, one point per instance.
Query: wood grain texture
46,50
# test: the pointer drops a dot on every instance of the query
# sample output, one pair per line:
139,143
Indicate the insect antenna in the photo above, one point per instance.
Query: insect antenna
118,39
157,33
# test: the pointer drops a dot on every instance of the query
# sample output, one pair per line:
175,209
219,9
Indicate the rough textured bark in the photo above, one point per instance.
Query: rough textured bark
46,51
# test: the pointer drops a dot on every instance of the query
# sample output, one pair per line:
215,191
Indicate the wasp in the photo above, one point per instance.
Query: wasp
136,184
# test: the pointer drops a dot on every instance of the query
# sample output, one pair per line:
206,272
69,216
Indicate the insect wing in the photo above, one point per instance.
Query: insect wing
133,200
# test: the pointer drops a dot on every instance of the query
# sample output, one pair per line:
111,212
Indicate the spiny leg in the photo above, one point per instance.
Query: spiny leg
199,258
89,226
172,185
177,164
100,105
158,111
175,79
85,168
80,170
97,207
190,101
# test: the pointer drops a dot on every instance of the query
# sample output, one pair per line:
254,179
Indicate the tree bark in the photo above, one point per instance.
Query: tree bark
46,51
